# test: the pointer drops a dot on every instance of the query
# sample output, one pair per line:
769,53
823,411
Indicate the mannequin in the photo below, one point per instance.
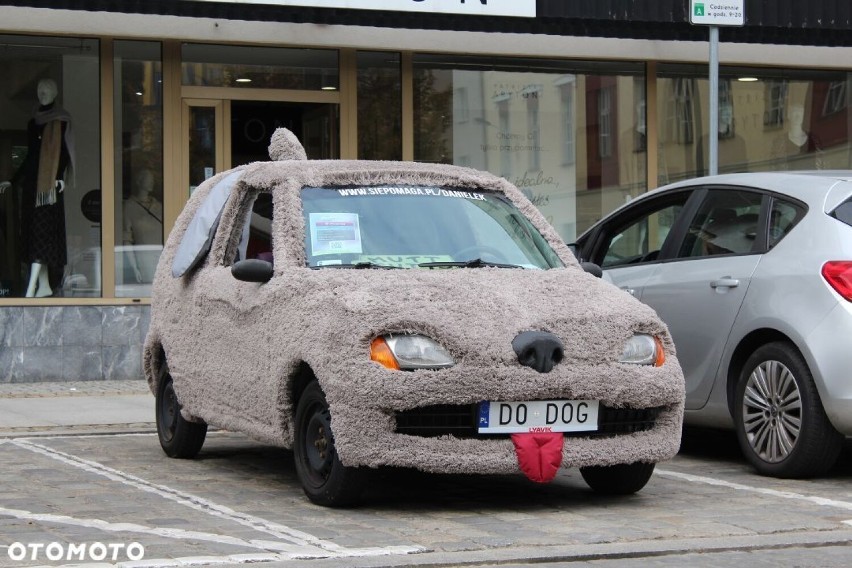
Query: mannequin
797,149
41,177
143,224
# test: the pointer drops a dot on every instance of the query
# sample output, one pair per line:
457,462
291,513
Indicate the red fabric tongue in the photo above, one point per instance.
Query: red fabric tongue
539,454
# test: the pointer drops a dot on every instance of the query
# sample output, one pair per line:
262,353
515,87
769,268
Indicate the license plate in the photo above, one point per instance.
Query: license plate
538,416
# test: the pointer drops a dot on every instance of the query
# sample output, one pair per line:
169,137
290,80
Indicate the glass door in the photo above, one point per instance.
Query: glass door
252,123
205,153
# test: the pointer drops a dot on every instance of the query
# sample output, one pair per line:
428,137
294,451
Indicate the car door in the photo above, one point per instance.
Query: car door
699,290
233,313
628,246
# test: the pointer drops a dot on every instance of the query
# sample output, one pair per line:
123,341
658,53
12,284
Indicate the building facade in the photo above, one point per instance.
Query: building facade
583,105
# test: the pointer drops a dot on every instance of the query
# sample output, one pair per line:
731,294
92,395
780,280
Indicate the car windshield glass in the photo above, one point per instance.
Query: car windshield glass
419,227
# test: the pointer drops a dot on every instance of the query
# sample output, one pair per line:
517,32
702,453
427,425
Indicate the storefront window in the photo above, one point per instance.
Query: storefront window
379,106
570,135
207,65
50,171
769,119
138,92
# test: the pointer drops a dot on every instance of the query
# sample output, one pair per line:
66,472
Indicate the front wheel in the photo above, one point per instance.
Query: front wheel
781,425
621,479
325,480
179,438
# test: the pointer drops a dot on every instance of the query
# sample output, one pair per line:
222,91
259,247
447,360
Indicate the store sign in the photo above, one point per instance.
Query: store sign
717,12
517,8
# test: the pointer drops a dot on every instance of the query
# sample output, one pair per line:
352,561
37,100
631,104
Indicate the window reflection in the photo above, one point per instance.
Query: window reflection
768,120
139,170
568,134
379,106
206,65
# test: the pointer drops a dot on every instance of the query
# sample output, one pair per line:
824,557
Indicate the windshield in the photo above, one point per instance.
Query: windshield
418,226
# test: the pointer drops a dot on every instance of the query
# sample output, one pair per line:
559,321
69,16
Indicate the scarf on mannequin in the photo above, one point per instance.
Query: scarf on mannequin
51,151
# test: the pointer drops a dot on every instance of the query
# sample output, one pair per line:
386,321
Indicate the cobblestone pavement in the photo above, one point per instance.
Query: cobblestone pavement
240,503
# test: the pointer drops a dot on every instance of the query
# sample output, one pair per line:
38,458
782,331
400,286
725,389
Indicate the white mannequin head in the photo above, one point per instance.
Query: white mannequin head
796,116
143,183
47,91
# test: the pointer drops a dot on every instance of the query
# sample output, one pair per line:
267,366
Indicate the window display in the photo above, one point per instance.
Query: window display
139,166
50,151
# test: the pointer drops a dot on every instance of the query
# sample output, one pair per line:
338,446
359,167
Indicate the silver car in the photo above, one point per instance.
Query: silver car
752,273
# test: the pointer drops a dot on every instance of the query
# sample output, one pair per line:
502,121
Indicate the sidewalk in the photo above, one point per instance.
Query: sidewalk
75,407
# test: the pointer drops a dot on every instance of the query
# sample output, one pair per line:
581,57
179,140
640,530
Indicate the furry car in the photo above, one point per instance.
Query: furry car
369,314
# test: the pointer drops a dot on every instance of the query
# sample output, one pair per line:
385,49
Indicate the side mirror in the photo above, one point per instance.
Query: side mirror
252,270
592,269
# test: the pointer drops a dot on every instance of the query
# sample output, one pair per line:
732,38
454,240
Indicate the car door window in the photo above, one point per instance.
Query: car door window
640,239
255,239
782,219
726,222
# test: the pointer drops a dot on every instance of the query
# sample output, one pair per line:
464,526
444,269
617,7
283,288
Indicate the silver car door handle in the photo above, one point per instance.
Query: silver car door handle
629,290
725,282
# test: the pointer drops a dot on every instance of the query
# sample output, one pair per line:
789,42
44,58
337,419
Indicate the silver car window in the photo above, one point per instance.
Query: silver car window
725,223
641,239
782,219
199,234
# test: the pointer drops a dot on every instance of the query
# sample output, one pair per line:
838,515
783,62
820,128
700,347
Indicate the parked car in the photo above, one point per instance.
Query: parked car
752,273
373,314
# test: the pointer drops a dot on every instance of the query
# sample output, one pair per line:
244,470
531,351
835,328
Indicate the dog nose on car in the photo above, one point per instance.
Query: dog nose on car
539,350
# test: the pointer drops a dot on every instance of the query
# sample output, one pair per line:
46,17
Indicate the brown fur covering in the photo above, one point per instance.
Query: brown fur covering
236,349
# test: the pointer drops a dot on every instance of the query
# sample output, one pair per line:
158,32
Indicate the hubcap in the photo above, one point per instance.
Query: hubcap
772,411
168,413
319,445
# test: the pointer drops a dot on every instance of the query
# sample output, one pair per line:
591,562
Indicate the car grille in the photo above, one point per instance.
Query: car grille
461,420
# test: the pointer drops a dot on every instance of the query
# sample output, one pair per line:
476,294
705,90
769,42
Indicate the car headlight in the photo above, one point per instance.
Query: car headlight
642,349
408,352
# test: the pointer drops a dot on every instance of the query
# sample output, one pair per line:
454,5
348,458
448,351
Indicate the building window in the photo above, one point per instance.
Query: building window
537,123
50,170
679,112
776,102
726,110
505,135
605,122
379,106
835,98
206,65
566,122
532,95
139,166
462,106
769,119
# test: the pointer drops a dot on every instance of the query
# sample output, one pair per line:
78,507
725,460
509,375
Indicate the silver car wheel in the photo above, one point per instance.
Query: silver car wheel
772,411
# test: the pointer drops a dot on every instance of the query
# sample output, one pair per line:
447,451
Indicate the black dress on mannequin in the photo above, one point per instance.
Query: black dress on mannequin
42,234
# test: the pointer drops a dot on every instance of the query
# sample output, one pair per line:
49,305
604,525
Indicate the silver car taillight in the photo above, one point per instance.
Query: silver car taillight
838,273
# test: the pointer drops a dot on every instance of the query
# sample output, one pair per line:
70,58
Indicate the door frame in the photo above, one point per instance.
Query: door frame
219,98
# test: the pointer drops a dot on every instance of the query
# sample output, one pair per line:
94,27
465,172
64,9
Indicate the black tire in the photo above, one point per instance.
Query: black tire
781,425
324,479
621,479
178,437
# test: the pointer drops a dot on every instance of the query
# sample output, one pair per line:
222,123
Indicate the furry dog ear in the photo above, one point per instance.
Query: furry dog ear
284,145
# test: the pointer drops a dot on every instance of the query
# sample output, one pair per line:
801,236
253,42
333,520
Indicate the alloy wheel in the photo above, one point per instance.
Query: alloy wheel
772,411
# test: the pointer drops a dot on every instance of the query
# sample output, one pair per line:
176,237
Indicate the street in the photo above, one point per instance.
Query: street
115,497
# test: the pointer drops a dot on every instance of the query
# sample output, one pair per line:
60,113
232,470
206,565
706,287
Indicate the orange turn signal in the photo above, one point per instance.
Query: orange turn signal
661,353
382,354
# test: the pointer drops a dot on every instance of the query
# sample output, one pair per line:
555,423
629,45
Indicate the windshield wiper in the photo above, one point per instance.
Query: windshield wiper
356,265
473,263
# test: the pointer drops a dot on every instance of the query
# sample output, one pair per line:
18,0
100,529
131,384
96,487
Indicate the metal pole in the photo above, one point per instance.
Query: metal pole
714,101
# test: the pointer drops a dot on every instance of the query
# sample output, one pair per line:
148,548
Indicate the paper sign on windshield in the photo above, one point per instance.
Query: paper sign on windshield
335,233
